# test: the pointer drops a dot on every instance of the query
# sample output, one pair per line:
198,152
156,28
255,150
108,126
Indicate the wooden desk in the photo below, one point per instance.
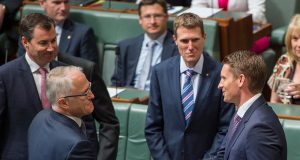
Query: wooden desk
236,31
284,111
131,95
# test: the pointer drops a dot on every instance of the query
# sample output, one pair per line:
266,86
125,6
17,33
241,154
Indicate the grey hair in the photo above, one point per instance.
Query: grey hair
60,82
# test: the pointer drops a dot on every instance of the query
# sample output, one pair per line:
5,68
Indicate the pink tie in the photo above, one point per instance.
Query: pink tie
45,102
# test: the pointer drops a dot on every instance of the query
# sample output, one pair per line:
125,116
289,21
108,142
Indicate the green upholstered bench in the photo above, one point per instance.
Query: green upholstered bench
292,133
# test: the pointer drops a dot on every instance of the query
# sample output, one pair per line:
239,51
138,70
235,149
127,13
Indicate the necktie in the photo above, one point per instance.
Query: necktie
187,95
44,99
146,71
235,122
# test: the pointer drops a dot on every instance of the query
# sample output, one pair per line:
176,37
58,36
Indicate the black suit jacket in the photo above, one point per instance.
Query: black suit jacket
128,52
76,39
60,138
104,112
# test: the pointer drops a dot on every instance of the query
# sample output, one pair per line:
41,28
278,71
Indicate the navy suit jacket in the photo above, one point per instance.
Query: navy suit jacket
258,136
19,103
166,133
53,136
76,39
104,111
128,52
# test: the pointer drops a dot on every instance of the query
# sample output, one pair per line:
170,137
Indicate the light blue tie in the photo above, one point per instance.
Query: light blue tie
187,95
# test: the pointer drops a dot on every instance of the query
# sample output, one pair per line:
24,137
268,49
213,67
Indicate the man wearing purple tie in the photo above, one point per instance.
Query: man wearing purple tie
255,132
187,117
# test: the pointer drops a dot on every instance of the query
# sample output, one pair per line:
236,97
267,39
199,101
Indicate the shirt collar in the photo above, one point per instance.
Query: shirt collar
76,119
243,108
197,68
159,40
34,66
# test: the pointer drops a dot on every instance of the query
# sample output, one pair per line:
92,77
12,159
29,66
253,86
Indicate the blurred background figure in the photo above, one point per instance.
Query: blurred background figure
8,29
287,67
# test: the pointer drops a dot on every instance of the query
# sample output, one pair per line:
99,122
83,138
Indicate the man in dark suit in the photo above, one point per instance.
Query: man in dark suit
61,128
255,132
186,125
73,38
132,53
20,92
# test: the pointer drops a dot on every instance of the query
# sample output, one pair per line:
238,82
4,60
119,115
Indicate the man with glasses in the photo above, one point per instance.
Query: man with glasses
61,128
136,56
22,92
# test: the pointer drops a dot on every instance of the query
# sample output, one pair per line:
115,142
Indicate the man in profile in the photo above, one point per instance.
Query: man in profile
60,130
137,56
255,132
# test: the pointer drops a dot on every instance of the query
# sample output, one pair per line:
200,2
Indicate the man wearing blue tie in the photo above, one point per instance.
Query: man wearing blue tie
255,132
186,118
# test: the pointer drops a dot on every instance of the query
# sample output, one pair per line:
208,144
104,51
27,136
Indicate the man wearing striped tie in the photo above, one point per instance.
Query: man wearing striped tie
187,118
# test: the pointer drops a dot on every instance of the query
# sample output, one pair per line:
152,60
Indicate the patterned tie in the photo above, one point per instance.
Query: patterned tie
233,125
187,95
146,71
45,102
83,128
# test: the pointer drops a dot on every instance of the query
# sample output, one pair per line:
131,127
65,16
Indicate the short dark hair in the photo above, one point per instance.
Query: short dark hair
162,3
188,20
251,65
29,22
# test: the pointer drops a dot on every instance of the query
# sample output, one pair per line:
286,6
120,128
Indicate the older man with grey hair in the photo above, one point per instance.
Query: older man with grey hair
61,127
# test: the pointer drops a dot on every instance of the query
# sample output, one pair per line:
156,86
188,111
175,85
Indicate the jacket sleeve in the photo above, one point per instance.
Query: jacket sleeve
154,122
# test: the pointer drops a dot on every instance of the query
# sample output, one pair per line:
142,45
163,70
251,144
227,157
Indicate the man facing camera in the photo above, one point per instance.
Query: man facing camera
255,132
73,38
60,133
137,56
187,117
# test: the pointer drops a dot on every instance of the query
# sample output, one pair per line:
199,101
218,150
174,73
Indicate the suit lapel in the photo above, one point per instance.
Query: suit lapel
133,57
259,102
30,87
66,36
175,87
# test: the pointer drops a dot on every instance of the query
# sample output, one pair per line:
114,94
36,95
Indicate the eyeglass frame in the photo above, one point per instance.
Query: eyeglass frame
83,94
155,16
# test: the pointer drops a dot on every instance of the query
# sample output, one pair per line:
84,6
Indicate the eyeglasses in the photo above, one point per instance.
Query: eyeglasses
148,17
83,94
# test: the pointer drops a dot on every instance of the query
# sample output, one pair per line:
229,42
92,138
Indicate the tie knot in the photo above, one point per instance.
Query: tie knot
42,70
151,44
190,72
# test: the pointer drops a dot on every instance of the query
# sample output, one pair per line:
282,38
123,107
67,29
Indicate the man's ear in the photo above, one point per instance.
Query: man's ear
242,80
174,38
42,3
25,42
63,103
